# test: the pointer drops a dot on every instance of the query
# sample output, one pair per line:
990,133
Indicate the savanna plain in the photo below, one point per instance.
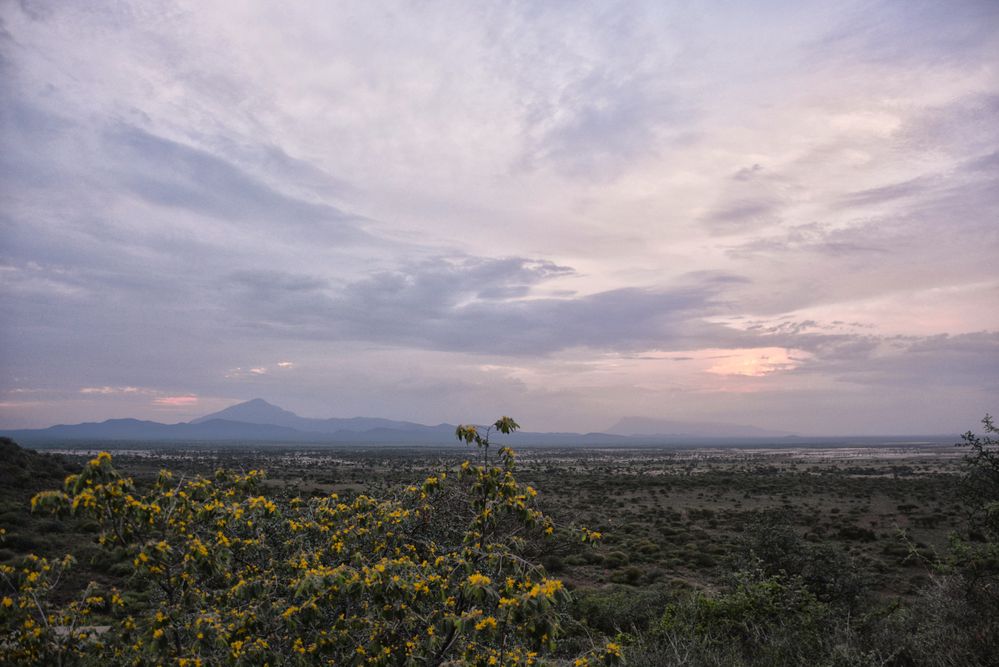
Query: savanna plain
852,555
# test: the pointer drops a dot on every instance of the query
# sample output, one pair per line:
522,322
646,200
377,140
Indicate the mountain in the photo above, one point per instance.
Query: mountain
647,427
260,421
259,411
251,421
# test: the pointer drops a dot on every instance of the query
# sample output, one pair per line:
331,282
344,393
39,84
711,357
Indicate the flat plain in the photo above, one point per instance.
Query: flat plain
671,518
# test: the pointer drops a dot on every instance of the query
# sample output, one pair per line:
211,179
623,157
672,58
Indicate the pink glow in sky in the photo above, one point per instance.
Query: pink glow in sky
176,401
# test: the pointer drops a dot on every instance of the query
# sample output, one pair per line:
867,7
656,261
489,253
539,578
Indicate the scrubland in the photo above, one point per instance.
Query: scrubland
723,556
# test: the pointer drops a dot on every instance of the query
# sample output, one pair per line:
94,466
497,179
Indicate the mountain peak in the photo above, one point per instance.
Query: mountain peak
256,403
255,411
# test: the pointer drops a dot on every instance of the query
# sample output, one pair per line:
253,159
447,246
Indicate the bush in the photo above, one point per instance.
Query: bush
616,608
774,547
758,620
225,575
615,559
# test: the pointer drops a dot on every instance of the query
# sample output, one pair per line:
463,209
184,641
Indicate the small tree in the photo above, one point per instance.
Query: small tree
977,559
470,434
981,480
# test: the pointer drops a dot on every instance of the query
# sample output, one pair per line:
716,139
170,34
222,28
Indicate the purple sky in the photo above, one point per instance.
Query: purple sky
774,213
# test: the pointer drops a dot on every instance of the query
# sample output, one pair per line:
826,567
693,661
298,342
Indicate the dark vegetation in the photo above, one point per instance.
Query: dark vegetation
721,557
23,473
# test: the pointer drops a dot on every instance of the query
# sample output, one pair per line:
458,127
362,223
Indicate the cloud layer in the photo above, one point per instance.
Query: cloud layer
781,214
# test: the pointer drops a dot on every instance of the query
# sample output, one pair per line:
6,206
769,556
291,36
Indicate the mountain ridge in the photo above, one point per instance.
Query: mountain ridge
215,427
259,411
253,421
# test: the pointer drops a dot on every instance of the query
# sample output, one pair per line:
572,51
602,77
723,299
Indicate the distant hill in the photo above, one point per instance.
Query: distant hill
260,421
646,427
259,411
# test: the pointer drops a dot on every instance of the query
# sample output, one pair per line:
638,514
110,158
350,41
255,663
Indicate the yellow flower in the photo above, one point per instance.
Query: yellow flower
547,587
479,579
488,622
101,458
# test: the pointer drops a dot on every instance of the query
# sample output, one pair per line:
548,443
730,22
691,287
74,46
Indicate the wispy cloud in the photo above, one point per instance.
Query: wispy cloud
106,391
176,401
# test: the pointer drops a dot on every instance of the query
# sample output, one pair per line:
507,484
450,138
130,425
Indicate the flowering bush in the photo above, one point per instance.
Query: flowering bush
225,575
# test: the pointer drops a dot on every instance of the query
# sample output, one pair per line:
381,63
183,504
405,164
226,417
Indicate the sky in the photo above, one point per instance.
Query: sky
781,214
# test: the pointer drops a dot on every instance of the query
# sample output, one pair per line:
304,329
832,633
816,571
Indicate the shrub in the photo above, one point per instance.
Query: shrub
615,608
775,548
759,620
226,575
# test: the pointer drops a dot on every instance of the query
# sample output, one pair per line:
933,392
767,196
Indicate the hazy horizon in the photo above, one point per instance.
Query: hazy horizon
628,426
779,214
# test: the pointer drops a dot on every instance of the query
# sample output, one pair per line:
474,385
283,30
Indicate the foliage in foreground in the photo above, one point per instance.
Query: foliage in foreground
223,574
794,604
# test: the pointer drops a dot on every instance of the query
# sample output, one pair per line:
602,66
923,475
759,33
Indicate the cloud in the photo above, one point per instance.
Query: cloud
756,362
889,193
911,34
111,390
485,305
604,122
988,164
748,173
944,360
168,173
741,215
175,401
814,238
277,281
